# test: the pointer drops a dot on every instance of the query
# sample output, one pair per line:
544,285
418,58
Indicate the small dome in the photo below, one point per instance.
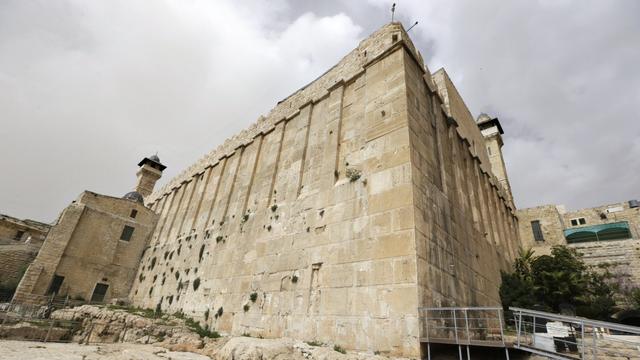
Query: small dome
135,196
483,118
155,158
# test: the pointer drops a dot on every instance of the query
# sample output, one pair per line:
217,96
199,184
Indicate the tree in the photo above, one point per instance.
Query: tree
551,282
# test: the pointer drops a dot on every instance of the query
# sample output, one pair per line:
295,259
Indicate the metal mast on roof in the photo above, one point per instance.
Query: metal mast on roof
393,11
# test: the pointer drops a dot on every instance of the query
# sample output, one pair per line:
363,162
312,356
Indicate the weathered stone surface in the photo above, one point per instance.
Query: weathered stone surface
85,247
354,202
20,241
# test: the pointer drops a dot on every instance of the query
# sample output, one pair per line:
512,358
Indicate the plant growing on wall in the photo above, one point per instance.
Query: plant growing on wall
353,174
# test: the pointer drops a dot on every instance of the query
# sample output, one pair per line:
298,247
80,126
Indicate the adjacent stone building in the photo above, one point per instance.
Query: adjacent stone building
20,241
93,251
607,236
17,231
360,198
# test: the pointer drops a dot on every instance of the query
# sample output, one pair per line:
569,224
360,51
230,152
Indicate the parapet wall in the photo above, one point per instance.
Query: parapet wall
351,65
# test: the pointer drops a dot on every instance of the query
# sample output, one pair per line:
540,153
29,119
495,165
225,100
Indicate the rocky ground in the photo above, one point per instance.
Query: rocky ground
122,333
22,350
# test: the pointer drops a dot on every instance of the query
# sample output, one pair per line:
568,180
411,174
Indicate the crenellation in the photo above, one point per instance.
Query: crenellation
348,68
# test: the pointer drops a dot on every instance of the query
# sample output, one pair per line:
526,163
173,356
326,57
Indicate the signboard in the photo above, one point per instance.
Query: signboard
557,329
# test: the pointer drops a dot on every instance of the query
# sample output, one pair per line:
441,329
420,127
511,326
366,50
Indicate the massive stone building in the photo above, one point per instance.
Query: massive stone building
93,251
360,198
607,236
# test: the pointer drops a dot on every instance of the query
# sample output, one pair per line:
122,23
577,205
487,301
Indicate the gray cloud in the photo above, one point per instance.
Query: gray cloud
87,88
561,77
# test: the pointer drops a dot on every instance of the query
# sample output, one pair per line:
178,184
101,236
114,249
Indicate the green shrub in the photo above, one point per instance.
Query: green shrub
203,332
339,349
353,174
548,282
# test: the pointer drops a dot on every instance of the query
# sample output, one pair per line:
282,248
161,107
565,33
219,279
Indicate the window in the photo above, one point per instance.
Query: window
55,285
127,232
537,230
99,293
133,214
18,235
578,221
489,150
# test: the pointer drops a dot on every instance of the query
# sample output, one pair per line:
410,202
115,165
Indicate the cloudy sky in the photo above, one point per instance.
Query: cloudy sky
87,88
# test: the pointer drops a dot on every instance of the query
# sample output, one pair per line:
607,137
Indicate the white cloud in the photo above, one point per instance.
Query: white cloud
561,77
88,88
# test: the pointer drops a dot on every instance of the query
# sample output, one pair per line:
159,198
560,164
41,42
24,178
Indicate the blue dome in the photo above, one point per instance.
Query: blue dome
135,196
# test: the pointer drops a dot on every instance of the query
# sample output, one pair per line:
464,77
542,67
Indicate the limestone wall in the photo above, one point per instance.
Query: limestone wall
14,260
306,225
466,231
15,231
620,257
20,241
551,223
466,125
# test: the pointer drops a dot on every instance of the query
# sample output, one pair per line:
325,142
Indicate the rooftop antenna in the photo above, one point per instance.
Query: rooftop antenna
412,26
393,11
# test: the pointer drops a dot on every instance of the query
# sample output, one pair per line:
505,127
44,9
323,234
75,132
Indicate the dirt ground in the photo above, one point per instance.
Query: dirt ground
29,350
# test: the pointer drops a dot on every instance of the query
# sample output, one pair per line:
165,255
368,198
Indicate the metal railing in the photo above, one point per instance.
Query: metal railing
567,337
464,327
551,335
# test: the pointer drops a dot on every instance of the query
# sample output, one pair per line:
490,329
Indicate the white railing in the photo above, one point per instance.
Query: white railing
567,337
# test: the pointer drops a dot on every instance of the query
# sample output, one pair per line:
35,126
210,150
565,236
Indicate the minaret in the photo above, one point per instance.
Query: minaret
492,132
150,171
